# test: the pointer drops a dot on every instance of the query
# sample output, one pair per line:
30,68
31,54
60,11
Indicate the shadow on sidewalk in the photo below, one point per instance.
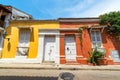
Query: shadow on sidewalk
27,78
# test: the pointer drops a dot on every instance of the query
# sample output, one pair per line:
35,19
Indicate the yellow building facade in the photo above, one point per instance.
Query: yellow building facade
11,46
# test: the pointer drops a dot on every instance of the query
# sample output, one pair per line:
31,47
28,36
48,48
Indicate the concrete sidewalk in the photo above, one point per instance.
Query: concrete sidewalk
59,67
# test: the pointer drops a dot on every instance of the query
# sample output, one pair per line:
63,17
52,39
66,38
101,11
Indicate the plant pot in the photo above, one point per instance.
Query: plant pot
102,61
91,64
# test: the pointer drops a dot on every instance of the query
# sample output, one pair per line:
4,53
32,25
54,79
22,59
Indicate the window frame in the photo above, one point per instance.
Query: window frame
113,56
24,44
96,42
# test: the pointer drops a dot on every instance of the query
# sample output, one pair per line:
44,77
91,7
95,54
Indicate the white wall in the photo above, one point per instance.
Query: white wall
16,12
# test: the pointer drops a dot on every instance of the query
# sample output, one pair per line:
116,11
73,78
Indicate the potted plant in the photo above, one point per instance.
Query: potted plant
95,56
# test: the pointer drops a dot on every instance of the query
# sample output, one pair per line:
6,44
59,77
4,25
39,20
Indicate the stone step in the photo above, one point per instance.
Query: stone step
48,63
72,63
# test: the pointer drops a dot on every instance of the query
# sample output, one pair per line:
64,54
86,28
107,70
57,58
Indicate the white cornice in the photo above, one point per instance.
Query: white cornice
60,29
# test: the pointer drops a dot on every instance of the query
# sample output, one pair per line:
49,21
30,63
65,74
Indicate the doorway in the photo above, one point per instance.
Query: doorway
49,48
70,48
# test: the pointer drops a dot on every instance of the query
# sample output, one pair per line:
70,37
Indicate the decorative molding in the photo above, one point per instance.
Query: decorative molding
79,56
77,34
62,35
78,19
25,27
62,56
48,32
18,60
60,29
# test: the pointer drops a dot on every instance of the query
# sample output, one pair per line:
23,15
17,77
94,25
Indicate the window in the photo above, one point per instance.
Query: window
24,37
115,55
23,46
96,39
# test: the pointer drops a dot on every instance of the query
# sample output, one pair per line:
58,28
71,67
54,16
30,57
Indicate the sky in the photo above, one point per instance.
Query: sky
53,9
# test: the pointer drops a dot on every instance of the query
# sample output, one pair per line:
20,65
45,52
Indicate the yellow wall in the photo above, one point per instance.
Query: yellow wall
10,47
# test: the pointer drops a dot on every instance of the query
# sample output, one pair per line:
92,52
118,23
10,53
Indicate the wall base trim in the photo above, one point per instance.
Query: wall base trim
6,60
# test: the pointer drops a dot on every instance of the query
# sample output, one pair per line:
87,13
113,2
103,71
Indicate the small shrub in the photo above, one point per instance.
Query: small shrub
95,55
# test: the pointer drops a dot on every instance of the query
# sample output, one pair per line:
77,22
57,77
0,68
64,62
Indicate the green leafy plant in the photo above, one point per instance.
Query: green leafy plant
80,29
112,20
95,55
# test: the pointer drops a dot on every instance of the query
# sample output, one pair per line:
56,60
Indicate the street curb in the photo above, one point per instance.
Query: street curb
60,68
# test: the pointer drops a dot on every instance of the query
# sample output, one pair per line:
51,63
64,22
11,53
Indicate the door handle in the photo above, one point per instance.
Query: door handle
68,49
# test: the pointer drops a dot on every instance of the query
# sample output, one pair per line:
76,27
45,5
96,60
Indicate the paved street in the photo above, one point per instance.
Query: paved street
37,74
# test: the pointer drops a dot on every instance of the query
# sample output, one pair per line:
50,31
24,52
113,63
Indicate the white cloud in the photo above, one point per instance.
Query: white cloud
70,11
79,6
104,6
76,8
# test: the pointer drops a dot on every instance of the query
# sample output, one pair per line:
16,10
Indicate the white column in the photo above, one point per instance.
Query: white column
41,48
57,57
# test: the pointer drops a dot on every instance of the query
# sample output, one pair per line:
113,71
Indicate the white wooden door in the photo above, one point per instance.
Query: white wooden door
115,56
49,48
70,48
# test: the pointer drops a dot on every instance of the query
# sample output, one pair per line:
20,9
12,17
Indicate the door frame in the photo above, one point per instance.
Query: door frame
44,53
41,38
74,46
